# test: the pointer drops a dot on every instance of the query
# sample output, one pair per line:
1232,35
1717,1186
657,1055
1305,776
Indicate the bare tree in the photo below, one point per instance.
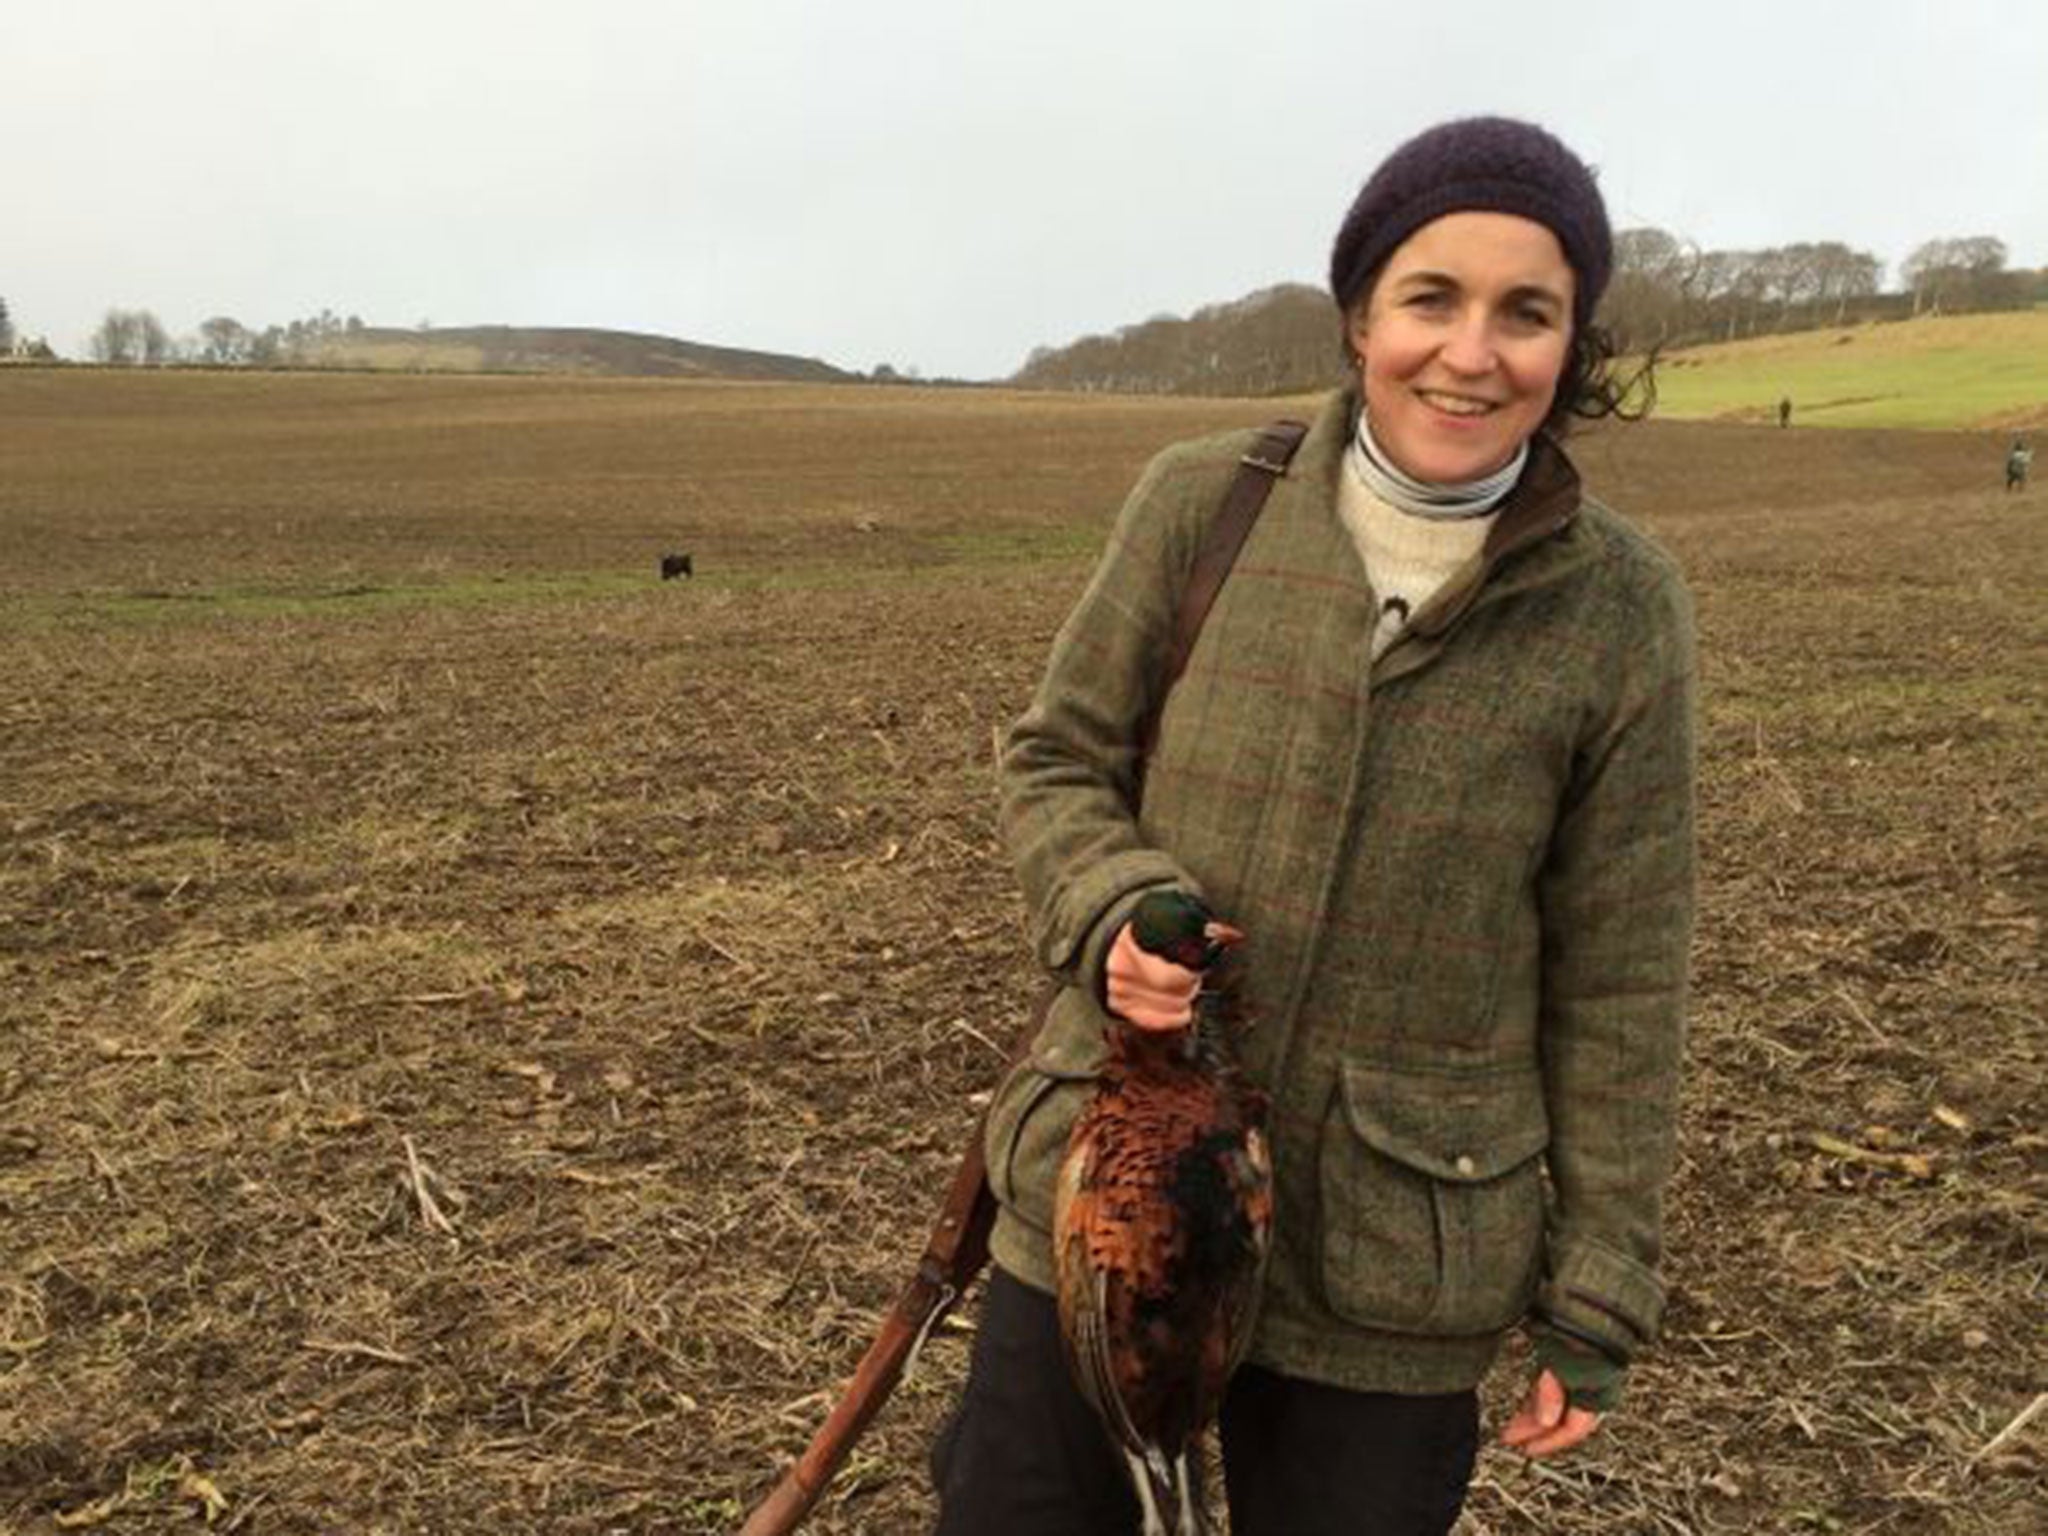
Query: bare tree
1841,274
1985,279
1966,273
118,339
6,328
1749,288
1924,272
1713,282
266,347
155,340
227,340
128,337
1799,277
1650,298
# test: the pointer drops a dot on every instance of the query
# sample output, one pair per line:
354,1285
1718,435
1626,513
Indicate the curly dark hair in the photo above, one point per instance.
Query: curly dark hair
1594,384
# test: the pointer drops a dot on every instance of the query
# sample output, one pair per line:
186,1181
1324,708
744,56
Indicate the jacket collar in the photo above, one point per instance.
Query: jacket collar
1544,501
1523,549
1530,544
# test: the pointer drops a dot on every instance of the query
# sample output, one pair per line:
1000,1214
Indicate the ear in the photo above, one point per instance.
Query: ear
1357,324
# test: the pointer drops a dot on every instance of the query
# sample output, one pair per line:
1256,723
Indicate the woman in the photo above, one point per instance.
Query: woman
1433,753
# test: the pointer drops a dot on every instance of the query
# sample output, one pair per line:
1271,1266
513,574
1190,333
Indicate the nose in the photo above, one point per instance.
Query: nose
1469,348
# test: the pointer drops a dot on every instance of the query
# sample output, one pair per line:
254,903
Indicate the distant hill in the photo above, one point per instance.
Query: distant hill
1277,341
551,349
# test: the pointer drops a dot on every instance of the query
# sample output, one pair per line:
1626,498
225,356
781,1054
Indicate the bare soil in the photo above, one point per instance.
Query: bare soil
484,1029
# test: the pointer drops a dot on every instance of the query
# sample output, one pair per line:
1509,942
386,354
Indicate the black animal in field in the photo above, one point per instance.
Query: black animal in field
673,566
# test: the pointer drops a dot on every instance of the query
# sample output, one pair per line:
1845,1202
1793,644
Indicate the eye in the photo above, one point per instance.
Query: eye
1431,299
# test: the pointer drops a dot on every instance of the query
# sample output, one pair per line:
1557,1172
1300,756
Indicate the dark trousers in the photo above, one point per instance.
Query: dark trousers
1024,1455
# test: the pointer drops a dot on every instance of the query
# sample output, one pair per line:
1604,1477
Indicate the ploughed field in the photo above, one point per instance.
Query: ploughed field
483,1030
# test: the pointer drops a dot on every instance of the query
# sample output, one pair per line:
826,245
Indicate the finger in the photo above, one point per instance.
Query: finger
1155,971
1150,1010
1131,996
1131,964
1175,988
1543,1408
1578,1424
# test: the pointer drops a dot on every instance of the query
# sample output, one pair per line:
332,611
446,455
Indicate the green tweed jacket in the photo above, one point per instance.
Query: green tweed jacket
1466,873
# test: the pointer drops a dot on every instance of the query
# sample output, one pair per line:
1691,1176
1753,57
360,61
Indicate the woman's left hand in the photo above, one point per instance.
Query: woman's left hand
1546,1423
1148,990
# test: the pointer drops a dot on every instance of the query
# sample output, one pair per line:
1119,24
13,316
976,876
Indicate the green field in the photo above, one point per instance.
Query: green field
1943,371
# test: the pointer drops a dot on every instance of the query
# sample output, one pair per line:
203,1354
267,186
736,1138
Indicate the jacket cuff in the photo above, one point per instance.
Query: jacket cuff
1074,942
1603,1297
1589,1377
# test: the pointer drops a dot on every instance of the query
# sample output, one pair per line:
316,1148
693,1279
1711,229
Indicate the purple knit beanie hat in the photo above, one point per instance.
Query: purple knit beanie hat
1484,164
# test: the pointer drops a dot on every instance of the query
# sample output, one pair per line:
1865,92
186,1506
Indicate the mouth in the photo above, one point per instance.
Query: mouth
1457,405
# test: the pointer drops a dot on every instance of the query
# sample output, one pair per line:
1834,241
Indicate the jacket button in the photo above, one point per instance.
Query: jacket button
1465,1165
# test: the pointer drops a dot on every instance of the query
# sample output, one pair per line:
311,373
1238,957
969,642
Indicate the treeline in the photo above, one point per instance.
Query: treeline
136,338
1668,293
1665,293
1274,341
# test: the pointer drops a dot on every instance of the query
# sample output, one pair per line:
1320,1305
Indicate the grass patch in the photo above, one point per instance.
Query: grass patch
1944,371
257,601
1021,545
943,554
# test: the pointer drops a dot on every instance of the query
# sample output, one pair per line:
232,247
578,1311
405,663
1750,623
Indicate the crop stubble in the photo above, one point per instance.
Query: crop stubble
485,1029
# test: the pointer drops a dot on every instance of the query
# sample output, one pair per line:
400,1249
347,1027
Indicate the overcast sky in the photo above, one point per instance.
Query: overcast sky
938,184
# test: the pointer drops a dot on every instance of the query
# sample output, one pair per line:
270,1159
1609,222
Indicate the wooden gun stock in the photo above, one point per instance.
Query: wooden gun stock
956,1253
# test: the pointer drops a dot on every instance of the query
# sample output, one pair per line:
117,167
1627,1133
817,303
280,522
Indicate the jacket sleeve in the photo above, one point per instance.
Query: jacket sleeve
1069,764
1616,893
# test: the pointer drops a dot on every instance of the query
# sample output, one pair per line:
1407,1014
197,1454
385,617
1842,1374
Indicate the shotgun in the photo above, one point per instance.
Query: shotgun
958,1247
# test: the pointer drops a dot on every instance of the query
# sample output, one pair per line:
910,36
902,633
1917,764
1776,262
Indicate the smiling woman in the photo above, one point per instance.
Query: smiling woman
1432,753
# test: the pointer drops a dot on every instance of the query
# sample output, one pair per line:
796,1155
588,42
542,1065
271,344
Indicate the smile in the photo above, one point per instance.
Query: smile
1457,405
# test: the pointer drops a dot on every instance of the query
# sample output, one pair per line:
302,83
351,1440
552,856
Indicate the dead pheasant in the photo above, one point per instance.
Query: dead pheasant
1161,1222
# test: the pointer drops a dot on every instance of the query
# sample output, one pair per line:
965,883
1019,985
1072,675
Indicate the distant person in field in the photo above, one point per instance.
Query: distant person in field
1433,753
1785,412
2017,463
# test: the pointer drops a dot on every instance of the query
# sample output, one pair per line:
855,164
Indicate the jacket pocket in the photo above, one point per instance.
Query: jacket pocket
1431,1190
1036,1104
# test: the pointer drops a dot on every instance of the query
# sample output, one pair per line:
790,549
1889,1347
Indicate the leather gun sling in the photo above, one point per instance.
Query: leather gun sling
1265,462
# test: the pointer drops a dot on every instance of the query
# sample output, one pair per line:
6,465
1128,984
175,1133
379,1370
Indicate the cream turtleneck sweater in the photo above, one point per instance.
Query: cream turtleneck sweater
1406,557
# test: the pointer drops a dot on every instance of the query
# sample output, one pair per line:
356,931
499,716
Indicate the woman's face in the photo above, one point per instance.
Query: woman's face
1464,336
